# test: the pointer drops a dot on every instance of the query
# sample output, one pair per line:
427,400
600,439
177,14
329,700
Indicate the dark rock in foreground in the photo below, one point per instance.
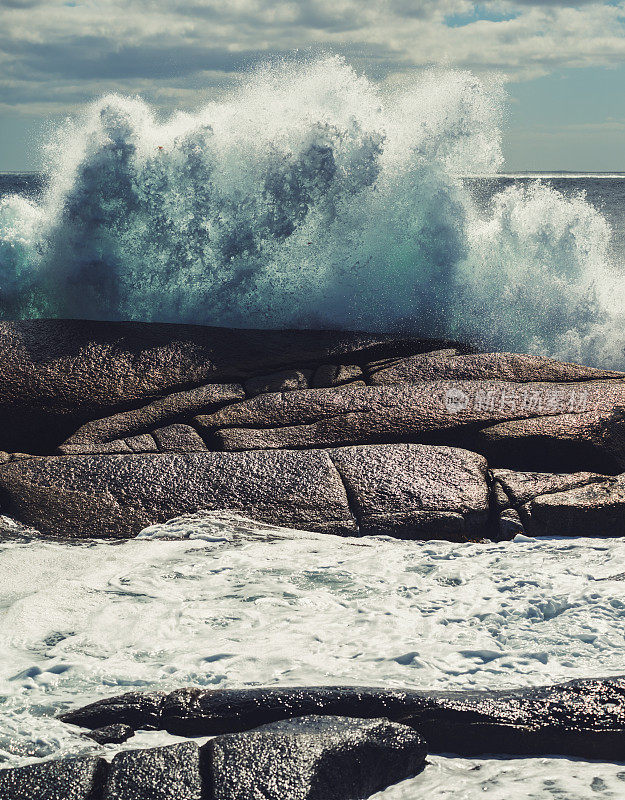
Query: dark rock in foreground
584,718
166,773
65,779
311,758
59,374
314,758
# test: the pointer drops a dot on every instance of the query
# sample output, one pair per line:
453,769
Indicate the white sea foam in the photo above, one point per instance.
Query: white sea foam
249,607
310,196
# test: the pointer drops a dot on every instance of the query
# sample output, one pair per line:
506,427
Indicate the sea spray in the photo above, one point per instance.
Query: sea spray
311,197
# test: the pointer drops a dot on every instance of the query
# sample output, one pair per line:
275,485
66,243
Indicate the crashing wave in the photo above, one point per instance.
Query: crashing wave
311,197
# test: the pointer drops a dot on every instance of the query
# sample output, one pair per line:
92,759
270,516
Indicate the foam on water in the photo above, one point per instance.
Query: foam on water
309,196
247,605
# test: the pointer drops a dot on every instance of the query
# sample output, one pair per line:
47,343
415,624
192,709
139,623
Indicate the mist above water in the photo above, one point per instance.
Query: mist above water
310,197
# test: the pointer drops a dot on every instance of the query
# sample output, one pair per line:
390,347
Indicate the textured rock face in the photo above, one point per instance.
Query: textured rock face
117,496
314,758
597,509
458,413
321,430
405,490
584,718
67,779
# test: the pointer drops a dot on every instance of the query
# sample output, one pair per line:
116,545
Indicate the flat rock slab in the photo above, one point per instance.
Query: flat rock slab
117,496
582,718
166,773
404,490
314,758
63,779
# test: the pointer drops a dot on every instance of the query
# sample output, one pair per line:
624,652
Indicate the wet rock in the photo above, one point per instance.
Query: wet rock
314,758
415,491
59,374
449,365
594,510
582,718
12,529
166,773
62,779
137,710
111,734
286,381
118,496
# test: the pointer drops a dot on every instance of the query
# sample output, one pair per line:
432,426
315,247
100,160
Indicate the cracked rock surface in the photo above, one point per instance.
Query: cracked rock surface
111,427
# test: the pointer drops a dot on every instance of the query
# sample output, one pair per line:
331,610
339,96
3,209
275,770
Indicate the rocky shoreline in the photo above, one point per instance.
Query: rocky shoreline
108,428
111,427
319,743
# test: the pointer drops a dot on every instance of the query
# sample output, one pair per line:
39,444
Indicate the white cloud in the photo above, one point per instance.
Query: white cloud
57,54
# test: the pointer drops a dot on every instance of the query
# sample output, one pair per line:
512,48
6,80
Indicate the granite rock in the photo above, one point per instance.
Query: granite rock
314,758
59,779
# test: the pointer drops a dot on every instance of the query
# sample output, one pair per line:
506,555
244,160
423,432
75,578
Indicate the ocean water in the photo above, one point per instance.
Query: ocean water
243,605
312,197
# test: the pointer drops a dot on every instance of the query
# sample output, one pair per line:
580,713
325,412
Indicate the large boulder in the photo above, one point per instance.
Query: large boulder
583,718
406,490
416,490
597,509
314,758
565,504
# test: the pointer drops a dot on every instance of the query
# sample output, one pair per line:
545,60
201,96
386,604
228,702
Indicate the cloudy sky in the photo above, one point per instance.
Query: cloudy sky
564,63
